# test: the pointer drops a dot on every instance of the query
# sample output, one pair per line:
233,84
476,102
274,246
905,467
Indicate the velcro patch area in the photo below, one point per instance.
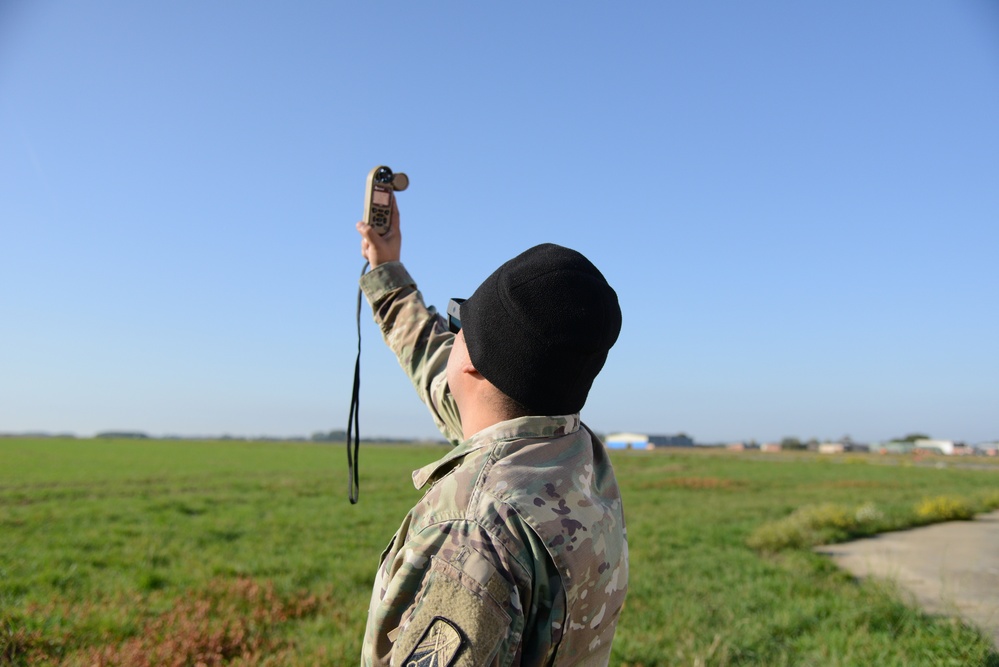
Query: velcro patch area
452,602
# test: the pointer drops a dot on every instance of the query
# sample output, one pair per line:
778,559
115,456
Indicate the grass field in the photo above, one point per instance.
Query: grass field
236,553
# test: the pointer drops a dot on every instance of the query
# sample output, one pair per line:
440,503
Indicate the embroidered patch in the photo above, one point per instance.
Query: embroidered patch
438,646
451,597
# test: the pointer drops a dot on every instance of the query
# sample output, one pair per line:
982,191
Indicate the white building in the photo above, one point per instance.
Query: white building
627,441
943,446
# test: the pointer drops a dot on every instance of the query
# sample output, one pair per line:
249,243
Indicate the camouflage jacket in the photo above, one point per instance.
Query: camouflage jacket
517,553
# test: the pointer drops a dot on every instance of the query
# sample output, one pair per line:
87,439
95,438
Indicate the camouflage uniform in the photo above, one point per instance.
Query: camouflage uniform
517,554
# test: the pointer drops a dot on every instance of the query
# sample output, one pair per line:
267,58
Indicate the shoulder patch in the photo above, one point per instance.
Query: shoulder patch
455,611
438,647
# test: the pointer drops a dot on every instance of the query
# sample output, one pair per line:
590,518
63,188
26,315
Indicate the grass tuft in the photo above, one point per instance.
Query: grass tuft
808,526
19,643
152,581
945,508
989,500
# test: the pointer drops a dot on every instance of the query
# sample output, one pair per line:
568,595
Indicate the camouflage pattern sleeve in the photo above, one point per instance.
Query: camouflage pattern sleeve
447,587
418,336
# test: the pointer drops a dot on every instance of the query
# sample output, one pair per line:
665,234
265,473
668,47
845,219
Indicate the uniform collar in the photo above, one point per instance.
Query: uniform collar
512,429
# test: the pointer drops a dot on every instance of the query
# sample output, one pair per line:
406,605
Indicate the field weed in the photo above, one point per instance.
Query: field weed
945,508
811,525
989,500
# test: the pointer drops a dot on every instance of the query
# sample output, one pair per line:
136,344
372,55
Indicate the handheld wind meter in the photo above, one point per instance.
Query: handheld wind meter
378,197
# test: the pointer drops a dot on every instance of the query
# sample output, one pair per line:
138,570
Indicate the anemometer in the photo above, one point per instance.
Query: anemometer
378,205
378,197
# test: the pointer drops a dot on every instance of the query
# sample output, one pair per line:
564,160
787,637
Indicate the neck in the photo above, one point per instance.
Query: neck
479,414
478,422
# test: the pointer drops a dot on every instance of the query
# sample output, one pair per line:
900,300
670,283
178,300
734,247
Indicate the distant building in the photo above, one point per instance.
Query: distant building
894,447
627,441
841,447
643,441
770,447
939,446
679,440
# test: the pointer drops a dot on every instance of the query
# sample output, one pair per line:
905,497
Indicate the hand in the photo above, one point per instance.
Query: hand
378,249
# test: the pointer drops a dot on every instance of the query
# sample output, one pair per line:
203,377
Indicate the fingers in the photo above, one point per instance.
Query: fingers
378,248
366,232
370,237
365,247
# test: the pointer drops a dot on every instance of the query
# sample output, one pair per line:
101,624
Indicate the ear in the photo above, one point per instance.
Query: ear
469,369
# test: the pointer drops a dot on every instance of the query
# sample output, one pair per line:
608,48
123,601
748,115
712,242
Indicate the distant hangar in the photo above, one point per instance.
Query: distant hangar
643,441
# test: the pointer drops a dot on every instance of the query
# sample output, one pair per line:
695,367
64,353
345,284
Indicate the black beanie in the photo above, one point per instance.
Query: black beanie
539,328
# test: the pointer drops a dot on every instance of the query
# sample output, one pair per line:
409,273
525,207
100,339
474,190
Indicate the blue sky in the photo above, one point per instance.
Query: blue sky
797,203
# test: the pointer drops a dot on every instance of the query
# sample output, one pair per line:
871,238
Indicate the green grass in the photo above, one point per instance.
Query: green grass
132,552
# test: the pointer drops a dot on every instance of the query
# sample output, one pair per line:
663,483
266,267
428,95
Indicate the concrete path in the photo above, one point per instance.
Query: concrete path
950,568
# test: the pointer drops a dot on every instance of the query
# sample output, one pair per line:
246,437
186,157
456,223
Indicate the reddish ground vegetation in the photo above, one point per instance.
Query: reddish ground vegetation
232,622
19,645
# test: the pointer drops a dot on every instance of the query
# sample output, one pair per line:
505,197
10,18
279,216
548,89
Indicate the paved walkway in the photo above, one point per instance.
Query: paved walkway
950,568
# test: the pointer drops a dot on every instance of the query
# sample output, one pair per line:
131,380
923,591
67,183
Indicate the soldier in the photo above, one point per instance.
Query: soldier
517,553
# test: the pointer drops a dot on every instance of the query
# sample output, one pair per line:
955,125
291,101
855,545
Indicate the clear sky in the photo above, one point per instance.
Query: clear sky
797,202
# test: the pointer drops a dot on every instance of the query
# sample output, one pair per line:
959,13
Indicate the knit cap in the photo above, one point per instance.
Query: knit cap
540,327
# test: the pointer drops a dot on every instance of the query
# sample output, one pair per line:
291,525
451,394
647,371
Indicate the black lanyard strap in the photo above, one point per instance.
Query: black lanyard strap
353,419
